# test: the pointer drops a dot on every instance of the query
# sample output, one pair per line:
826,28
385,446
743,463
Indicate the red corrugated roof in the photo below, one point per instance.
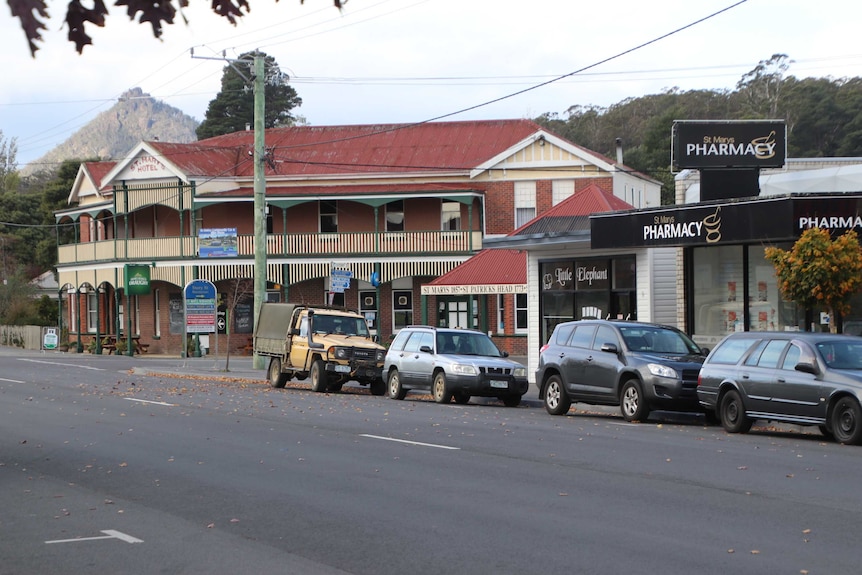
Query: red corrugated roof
338,150
488,267
274,191
510,266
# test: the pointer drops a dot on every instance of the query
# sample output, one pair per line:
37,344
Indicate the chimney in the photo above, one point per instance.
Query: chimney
619,143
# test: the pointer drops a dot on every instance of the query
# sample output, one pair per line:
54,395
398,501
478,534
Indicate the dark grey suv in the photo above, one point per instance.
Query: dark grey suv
638,366
798,377
449,363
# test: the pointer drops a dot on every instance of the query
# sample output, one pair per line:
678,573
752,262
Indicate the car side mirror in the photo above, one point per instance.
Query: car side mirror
704,351
504,354
294,331
426,349
807,367
610,348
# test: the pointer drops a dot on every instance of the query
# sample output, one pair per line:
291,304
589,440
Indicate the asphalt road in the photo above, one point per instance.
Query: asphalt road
109,469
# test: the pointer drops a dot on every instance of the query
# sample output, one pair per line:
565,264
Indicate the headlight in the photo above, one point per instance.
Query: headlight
381,355
463,369
520,372
341,353
662,371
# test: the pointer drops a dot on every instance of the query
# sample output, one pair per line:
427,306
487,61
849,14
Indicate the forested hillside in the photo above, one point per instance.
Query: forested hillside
823,116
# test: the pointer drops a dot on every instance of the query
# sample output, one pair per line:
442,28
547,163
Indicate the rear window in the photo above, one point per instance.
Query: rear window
563,333
731,350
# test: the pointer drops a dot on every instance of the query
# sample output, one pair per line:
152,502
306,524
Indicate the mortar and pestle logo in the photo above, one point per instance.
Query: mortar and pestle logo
712,224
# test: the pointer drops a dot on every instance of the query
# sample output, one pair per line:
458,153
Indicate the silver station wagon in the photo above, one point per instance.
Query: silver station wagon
796,377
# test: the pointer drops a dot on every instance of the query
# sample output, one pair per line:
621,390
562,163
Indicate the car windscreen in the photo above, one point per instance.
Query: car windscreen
654,339
339,324
841,354
466,343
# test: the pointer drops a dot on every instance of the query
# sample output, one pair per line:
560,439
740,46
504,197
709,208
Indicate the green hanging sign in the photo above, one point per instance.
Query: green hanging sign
137,280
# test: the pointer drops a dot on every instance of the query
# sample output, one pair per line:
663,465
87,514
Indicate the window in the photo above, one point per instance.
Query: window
402,309
561,189
335,298
583,336
368,308
731,351
564,333
604,335
501,313
520,312
451,215
525,202
92,311
395,216
418,339
328,216
157,319
792,357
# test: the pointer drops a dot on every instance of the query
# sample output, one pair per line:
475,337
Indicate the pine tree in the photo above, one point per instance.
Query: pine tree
233,108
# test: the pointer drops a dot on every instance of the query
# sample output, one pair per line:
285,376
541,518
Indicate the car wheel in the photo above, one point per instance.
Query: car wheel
711,417
827,433
461,398
557,402
512,400
276,378
335,387
632,403
318,376
395,389
439,389
378,387
847,421
732,413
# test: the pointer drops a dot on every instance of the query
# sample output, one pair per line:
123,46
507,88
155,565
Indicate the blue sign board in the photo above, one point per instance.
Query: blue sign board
217,243
201,306
339,280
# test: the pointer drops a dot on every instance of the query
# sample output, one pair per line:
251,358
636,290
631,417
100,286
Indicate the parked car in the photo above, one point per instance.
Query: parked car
637,365
449,362
798,377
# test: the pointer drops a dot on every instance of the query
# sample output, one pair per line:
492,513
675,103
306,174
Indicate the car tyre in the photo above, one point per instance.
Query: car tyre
318,376
277,379
557,401
633,405
461,398
378,386
847,421
396,391
732,413
512,400
440,390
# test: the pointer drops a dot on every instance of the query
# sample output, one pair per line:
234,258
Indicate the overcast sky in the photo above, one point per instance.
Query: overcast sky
384,61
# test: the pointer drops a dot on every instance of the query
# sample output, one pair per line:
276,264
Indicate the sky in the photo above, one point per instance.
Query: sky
405,61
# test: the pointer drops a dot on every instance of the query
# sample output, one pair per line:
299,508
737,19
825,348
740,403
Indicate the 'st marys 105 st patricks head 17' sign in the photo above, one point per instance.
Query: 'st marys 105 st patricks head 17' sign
720,144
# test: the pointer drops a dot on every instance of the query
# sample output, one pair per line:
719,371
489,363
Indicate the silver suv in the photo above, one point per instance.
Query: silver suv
449,363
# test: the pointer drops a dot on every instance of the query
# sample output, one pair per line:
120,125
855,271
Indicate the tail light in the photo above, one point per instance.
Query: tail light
544,347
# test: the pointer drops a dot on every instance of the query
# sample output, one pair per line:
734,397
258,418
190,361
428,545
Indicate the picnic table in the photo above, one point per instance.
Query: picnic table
109,344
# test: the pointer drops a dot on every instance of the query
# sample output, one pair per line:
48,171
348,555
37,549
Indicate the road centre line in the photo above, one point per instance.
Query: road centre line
408,442
153,402
60,363
11,380
109,534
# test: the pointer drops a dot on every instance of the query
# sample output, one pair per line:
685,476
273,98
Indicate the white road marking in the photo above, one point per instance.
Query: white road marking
153,402
109,534
409,442
60,363
11,380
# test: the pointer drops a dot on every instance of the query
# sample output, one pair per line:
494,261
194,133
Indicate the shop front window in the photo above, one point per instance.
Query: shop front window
767,310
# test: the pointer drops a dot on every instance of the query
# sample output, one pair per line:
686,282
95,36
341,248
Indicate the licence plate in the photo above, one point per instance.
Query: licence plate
499,384
342,368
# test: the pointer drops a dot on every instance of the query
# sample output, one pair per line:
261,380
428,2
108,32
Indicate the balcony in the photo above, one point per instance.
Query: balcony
430,243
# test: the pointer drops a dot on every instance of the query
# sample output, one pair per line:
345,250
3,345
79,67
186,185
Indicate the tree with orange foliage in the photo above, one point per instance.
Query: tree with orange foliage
819,271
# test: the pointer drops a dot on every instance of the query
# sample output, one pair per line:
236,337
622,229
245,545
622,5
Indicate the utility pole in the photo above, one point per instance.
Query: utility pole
259,197
259,83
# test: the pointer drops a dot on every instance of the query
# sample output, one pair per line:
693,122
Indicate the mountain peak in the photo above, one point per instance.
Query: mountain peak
136,116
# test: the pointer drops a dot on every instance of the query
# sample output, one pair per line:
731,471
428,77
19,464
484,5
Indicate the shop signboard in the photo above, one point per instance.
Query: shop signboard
200,296
728,144
768,220
217,242
137,279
